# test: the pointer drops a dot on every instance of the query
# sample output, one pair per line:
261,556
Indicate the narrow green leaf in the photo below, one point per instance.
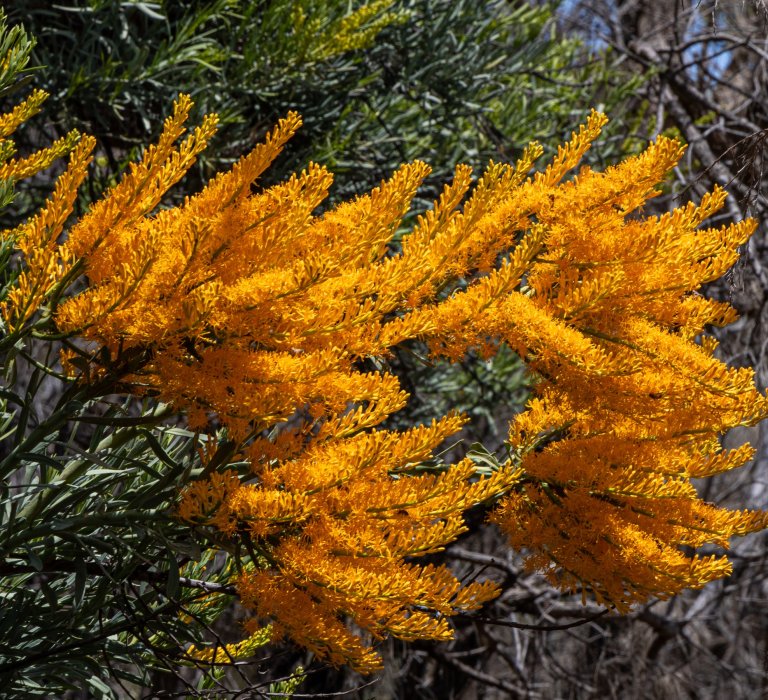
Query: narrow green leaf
49,593
81,576
172,584
101,689
34,560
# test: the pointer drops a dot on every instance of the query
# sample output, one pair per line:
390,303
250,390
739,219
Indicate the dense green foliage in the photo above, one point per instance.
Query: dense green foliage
443,81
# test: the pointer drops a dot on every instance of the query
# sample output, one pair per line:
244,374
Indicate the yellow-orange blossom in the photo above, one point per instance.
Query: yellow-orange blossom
246,308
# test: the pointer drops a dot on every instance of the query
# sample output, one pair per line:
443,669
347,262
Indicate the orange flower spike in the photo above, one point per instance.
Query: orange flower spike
142,188
40,160
25,110
570,155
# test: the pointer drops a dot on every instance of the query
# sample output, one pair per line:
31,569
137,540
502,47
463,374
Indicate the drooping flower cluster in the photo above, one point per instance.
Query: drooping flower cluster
248,309
631,405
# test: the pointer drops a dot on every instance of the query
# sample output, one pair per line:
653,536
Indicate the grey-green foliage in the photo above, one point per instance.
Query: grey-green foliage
444,81
100,585
463,82
15,46
89,580
112,69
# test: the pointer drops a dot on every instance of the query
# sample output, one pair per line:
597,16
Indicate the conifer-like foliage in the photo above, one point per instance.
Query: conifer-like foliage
377,83
261,319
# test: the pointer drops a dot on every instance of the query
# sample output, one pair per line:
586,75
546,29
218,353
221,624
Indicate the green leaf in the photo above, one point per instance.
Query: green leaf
34,560
101,689
49,593
172,583
81,576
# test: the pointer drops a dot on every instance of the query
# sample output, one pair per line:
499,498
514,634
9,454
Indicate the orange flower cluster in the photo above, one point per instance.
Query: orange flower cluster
248,309
328,532
630,406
